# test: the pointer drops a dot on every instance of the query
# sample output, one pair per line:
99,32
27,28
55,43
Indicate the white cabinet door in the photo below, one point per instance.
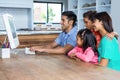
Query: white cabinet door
103,5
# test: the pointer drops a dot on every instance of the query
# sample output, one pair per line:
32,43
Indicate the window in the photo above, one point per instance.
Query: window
47,12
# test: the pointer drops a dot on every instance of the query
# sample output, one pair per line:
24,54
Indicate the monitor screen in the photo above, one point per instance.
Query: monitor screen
11,30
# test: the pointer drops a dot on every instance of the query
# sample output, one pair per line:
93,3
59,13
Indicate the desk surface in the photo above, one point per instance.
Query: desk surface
51,67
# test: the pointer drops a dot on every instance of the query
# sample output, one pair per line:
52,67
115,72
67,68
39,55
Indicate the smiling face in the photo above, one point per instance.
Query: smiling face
88,23
97,25
66,24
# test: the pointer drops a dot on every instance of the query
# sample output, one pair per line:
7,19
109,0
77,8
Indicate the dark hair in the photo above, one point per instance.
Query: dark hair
89,39
106,20
90,15
70,16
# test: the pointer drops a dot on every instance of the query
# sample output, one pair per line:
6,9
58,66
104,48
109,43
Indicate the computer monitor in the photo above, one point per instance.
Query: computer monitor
11,30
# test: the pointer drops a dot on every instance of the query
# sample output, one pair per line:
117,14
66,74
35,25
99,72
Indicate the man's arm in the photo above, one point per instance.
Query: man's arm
57,50
52,45
48,46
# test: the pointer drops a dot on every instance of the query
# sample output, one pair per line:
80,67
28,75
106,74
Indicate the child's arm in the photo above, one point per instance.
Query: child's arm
86,56
74,50
73,56
103,62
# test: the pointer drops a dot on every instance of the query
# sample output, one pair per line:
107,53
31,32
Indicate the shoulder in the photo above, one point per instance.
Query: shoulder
89,49
106,40
73,31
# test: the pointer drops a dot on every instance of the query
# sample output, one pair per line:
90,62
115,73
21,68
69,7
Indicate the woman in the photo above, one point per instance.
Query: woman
108,49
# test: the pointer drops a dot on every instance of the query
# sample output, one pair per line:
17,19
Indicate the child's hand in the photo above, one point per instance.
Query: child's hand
72,55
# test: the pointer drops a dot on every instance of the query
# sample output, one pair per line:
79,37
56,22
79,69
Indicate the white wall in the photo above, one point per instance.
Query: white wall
21,11
115,13
21,20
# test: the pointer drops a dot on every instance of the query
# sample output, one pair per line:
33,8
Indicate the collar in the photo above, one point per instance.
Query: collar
73,30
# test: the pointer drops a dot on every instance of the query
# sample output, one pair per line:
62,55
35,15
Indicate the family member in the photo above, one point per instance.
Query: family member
108,49
88,21
66,39
86,49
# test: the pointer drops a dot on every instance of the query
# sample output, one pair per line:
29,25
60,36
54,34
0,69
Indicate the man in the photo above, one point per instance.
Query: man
66,39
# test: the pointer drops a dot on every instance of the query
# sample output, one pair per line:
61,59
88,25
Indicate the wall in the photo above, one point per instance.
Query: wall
115,13
21,20
21,11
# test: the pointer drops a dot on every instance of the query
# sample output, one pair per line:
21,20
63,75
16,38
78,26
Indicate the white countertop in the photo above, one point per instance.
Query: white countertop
32,32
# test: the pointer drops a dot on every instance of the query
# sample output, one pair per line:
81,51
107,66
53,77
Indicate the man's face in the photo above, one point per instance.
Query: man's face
64,23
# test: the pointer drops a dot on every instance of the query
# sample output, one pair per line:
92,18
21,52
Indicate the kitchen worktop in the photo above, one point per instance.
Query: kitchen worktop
21,66
22,32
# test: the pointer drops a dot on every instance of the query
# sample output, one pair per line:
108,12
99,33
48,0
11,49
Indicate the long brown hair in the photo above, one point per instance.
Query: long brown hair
106,20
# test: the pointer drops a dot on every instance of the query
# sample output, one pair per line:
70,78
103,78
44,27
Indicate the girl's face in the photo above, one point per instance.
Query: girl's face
88,23
97,25
79,41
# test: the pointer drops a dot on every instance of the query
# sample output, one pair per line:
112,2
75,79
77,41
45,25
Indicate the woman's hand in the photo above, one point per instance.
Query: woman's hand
103,62
112,34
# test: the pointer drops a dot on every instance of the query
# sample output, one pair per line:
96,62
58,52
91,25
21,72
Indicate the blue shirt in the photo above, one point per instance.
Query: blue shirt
109,49
67,38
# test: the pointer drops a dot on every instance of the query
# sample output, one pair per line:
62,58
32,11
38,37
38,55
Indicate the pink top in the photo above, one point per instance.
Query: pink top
87,56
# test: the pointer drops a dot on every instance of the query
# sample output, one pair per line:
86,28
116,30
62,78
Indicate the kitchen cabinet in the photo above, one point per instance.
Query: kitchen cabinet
33,39
81,6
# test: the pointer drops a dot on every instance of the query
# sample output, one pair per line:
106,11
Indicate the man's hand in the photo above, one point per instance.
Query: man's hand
34,48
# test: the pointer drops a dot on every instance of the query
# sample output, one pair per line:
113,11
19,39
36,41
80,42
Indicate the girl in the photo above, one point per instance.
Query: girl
108,49
86,49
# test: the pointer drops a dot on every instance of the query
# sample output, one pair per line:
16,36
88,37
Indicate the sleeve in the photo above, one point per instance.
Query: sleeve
109,48
86,56
74,50
72,40
58,39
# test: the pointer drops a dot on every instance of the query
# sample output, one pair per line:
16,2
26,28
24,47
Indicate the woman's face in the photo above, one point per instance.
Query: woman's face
88,23
97,25
79,41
